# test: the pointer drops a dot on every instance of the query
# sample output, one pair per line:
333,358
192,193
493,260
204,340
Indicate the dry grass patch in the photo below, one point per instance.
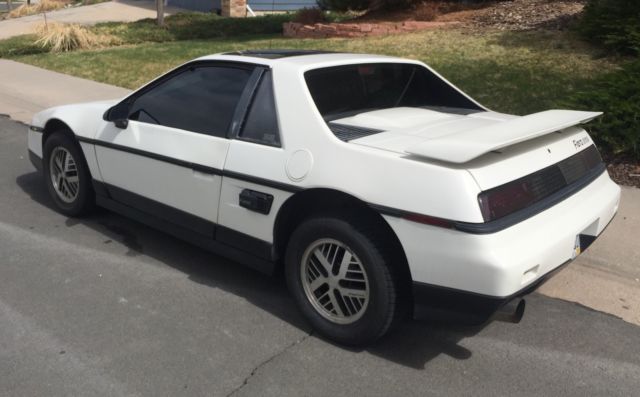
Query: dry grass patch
58,37
42,6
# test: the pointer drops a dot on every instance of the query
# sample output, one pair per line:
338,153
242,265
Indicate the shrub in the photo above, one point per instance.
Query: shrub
617,94
427,12
58,37
192,26
309,16
613,23
344,5
359,5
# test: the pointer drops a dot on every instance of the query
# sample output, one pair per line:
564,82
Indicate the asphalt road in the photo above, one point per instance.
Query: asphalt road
107,306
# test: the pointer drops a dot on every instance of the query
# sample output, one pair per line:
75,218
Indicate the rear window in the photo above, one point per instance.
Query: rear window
348,90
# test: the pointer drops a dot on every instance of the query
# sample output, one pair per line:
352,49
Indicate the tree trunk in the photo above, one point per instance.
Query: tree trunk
160,7
9,5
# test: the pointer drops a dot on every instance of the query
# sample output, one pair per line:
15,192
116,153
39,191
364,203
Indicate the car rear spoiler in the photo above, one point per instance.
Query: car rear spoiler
467,145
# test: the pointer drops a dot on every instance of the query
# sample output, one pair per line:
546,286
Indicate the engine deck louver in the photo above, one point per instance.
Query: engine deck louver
347,132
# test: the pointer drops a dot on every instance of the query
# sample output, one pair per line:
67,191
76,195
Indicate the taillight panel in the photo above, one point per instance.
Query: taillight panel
521,193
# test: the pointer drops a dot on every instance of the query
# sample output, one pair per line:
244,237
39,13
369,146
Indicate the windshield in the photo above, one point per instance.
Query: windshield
348,90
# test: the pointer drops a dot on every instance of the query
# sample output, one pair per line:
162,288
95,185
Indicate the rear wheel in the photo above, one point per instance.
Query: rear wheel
67,175
343,280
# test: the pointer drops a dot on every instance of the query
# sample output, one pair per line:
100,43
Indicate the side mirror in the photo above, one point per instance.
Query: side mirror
118,114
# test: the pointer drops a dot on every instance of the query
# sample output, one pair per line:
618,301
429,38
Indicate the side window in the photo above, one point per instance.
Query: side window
200,99
261,124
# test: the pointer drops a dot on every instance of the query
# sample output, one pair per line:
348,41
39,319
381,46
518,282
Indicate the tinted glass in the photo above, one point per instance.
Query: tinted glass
200,99
261,124
347,90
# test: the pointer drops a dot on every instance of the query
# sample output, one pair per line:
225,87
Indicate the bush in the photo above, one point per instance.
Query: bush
427,12
613,23
193,26
309,16
617,95
359,5
344,5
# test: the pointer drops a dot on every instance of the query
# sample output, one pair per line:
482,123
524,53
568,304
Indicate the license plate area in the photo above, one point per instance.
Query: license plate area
583,241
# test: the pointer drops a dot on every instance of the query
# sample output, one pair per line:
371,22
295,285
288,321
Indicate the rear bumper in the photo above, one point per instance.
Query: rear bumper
498,266
476,308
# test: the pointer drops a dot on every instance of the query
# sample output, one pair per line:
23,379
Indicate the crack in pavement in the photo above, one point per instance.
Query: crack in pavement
267,361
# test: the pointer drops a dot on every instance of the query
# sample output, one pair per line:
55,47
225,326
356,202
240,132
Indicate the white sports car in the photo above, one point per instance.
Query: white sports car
375,185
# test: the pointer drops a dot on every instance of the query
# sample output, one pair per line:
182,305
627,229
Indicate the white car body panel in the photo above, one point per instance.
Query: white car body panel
84,119
190,190
493,169
502,263
34,142
467,145
427,161
262,162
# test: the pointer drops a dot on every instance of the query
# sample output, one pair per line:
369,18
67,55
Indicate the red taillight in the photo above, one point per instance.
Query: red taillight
521,193
505,200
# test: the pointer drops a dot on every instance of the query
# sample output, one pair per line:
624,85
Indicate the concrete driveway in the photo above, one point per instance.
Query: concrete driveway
111,11
107,306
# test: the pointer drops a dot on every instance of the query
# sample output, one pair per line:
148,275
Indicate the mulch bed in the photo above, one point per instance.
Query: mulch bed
528,14
501,15
324,30
624,172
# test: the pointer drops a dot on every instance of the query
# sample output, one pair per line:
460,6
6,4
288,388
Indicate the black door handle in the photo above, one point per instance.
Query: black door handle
256,201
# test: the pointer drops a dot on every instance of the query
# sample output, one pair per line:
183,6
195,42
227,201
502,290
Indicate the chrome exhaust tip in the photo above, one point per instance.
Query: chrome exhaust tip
512,312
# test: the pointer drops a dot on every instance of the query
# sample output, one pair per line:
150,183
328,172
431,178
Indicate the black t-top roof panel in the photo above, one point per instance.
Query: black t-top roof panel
277,53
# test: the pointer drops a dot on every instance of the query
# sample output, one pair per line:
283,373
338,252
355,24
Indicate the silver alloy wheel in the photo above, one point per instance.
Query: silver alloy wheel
64,174
334,281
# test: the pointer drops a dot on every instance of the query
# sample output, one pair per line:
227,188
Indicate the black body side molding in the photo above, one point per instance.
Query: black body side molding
248,250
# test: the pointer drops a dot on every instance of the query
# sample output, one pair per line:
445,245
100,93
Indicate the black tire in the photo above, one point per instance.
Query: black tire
84,201
385,306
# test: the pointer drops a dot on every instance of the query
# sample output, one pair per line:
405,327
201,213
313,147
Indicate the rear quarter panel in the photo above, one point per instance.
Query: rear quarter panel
372,175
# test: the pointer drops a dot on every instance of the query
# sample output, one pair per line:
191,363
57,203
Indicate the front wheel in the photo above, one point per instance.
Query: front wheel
343,280
67,175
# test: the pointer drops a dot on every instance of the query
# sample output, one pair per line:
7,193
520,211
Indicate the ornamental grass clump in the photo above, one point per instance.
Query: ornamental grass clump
58,37
42,6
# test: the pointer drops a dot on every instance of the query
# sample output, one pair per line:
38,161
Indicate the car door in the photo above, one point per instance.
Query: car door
168,160
255,184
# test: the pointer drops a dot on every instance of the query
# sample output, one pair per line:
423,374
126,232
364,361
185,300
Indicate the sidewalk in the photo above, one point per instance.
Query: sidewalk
25,90
606,277
112,11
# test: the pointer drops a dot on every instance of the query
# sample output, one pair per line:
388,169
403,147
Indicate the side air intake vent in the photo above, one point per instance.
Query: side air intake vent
347,132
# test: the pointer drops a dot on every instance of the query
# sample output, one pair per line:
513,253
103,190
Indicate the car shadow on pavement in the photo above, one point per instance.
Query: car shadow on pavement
412,344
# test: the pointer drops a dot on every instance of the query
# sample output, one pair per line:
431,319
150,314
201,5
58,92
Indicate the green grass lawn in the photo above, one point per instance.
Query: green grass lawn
516,72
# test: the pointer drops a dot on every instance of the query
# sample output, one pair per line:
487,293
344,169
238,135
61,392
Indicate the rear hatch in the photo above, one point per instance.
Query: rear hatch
495,148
